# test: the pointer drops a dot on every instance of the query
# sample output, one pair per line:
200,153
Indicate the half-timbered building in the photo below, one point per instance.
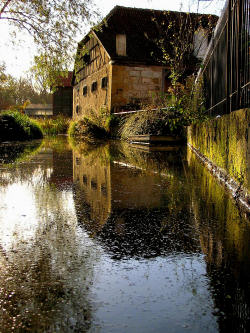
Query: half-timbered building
120,63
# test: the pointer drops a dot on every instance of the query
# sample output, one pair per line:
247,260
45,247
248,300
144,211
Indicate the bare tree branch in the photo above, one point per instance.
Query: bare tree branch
4,6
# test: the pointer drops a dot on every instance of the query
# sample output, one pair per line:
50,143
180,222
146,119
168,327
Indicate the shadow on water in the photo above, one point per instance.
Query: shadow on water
111,238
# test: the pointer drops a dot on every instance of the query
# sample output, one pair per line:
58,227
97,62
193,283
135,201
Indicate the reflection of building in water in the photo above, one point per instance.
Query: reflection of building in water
117,185
108,186
224,234
131,209
62,169
93,176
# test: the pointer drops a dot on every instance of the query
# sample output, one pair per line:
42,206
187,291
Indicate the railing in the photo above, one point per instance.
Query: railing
226,67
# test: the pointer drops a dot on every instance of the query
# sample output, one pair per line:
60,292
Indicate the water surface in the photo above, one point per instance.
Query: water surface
113,238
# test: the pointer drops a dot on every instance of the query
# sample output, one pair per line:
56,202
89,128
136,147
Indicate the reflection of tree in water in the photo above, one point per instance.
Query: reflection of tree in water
45,281
18,152
225,240
36,170
46,286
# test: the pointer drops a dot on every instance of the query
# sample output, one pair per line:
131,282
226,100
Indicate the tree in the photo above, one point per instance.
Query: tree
181,37
14,92
53,25
177,33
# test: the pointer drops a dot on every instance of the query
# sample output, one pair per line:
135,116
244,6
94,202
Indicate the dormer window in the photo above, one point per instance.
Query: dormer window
121,42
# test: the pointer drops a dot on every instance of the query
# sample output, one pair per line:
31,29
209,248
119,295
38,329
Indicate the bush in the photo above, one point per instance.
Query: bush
15,126
113,125
85,129
157,122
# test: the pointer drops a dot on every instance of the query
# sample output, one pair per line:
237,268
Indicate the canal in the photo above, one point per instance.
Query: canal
114,238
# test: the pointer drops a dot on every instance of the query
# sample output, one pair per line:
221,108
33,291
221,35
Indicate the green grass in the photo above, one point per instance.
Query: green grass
15,126
54,126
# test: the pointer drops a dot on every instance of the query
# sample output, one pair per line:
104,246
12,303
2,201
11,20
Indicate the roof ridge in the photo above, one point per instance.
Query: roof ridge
113,10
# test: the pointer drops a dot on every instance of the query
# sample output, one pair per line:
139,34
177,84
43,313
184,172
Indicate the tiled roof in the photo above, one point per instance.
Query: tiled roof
65,81
142,28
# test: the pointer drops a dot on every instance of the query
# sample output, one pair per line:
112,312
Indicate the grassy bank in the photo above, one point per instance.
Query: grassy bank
15,126
54,126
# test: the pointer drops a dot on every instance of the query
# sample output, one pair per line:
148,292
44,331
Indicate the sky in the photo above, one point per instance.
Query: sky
19,59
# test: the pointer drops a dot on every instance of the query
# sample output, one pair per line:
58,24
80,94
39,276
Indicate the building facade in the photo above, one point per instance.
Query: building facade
120,64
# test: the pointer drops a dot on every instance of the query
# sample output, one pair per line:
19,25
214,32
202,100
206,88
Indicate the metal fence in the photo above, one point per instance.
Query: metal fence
226,67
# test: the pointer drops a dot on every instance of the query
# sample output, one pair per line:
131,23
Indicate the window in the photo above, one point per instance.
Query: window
77,109
86,59
85,179
84,90
93,184
121,44
200,43
104,82
104,189
94,86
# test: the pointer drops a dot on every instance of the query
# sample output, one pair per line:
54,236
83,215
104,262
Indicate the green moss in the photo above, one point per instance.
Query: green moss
224,141
15,126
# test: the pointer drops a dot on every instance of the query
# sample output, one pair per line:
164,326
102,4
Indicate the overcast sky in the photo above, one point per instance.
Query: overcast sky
19,59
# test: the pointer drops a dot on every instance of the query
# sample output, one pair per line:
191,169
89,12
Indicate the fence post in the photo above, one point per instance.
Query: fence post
239,33
228,108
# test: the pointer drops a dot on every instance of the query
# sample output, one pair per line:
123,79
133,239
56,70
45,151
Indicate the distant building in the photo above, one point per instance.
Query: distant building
63,97
37,110
121,64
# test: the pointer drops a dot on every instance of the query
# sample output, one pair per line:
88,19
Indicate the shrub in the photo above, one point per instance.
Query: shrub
86,129
157,122
15,126
169,113
113,125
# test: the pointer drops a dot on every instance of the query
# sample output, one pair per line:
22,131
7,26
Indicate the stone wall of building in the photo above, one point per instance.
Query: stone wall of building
132,84
91,102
